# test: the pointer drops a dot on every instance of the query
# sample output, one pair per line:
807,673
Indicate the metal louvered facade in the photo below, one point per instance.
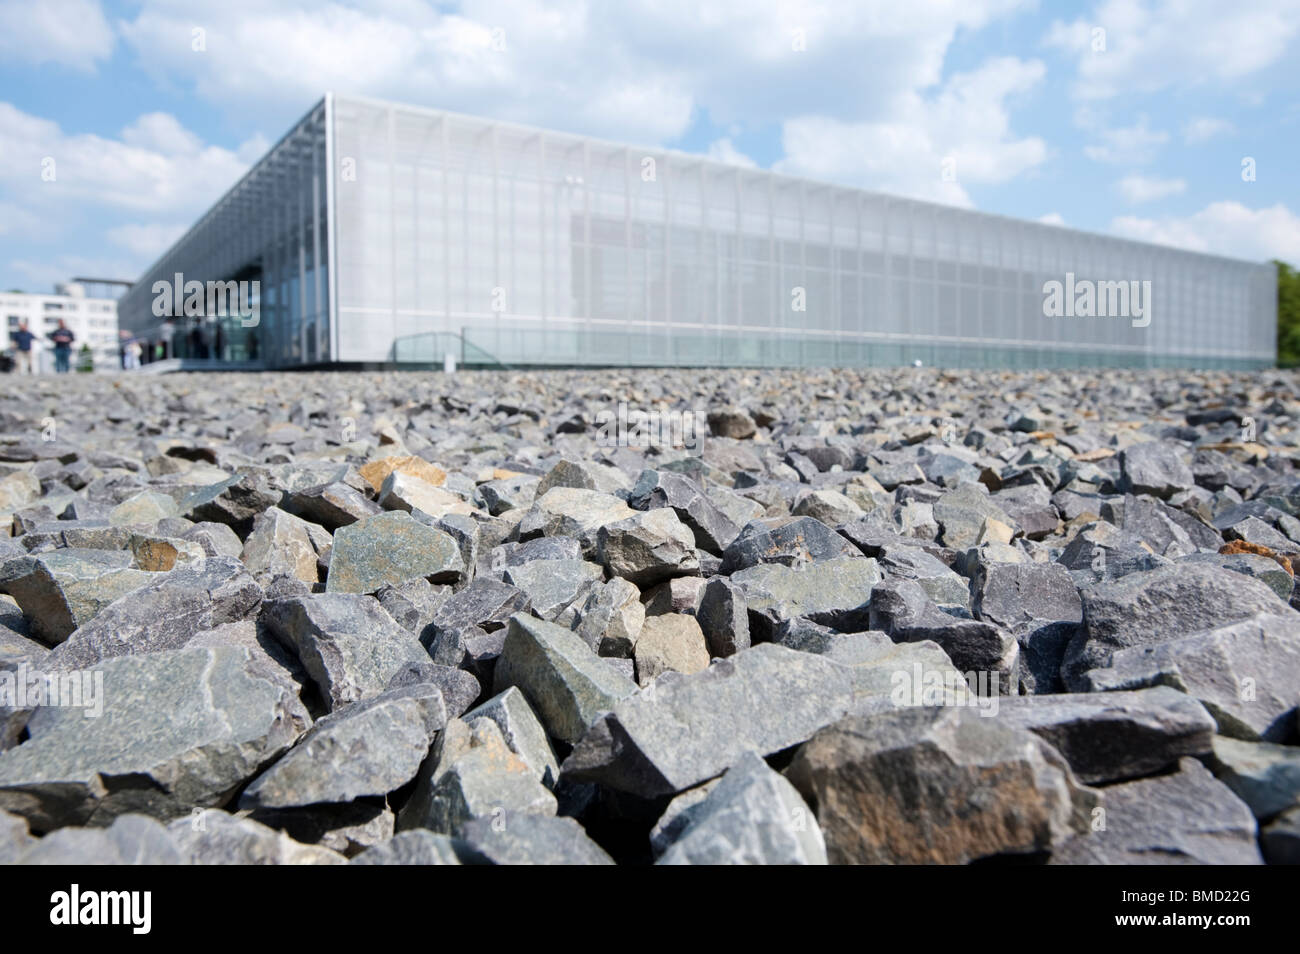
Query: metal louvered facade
372,224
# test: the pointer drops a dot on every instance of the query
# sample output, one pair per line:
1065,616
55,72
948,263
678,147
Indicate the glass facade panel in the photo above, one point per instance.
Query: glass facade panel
372,224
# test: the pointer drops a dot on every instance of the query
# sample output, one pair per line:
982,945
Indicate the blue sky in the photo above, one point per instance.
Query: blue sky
120,122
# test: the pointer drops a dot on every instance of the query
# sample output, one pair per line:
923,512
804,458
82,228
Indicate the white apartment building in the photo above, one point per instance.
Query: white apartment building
92,320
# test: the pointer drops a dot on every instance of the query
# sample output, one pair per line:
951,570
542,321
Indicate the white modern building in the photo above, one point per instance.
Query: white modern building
376,233
93,320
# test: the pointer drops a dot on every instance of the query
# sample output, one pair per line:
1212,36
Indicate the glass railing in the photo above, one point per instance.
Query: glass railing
432,348
530,345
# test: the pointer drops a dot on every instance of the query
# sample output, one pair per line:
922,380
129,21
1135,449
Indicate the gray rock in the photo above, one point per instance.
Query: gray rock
884,674
1154,606
1153,468
961,513
835,593
528,839
130,840
713,529
14,838
566,683
1280,839
347,829
572,512
551,585
510,493
216,539
281,541
829,506
539,548
940,583
235,501
213,837
648,547
1031,508
268,657
164,614
485,604
367,748
1267,571
413,603
179,730
1037,603
610,618
723,616
390,548
415,847
349,646
687,729
681,594
331,505
459,688
522,732
1246,674
472,773
1184,818
679,813
806,636
753,816
15,632
1115,736
468,532
1101,551
61,589
583,475
1256,531
790,541
904,611
1263,775
409,493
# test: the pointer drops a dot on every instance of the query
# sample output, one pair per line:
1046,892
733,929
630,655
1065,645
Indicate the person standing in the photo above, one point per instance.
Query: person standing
131,353
168,340
22,339
62,337
198,343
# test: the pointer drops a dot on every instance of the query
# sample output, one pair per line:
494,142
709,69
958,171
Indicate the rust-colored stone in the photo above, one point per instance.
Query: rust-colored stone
1241,546
375,472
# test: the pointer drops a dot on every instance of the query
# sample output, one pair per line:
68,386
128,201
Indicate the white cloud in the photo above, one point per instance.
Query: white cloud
1137,188
18,221
1126,145
1204,128
963,130
1225,228
42,274
156,165
723,150
146,241
1052,218
71,33
1174,44
640,69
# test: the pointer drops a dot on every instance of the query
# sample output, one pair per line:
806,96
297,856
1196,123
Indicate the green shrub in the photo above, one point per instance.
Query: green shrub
1288,315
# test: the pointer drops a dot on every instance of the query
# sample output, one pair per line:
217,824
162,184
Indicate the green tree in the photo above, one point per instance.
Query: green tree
85,360
1288,315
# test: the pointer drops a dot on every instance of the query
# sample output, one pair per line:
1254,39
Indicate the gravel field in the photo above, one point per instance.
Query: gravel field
676,617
